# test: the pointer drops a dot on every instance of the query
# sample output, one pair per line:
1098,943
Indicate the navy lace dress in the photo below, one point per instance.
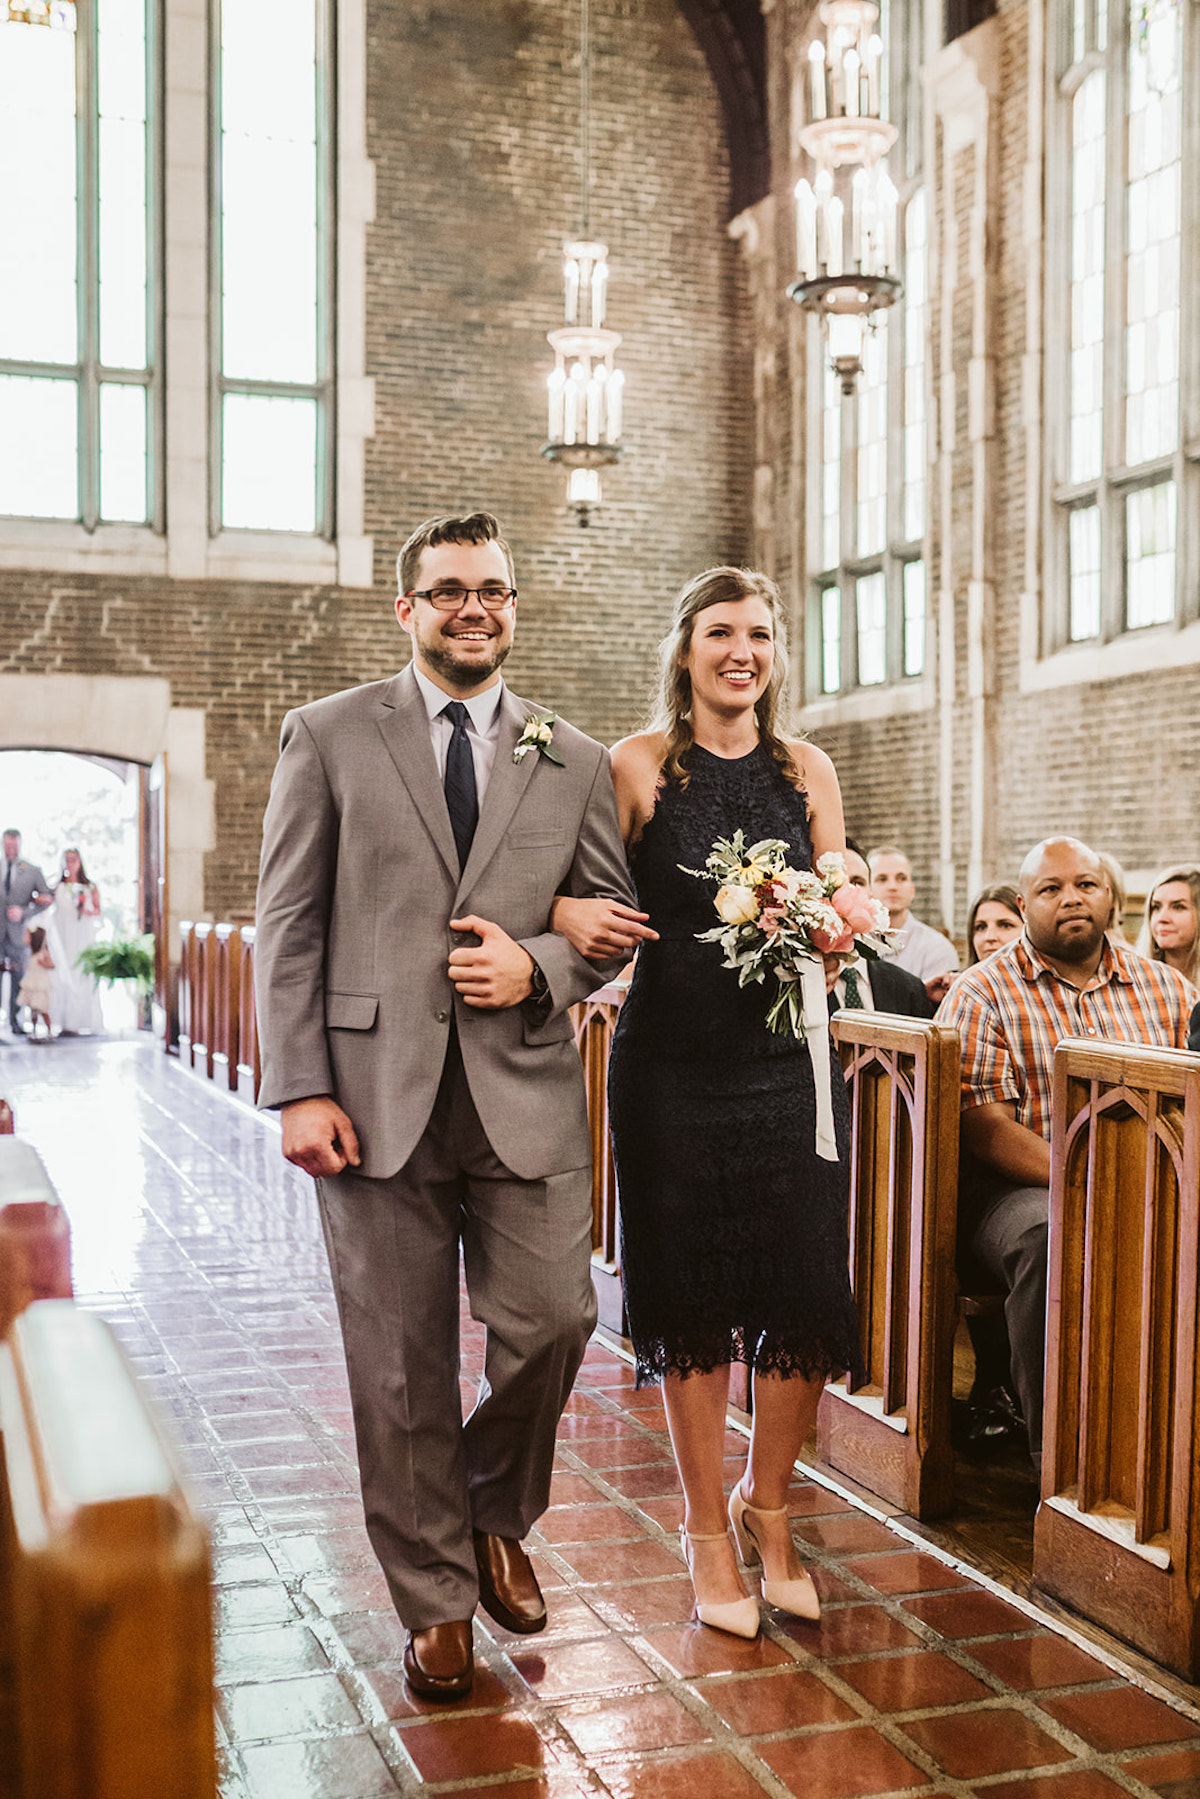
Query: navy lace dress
733,1230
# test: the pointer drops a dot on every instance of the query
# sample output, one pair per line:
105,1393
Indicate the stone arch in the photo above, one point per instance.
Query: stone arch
129,717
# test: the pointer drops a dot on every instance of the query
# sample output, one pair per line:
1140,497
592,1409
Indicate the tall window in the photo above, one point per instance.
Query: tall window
867,608
273,279
78,269
1122,468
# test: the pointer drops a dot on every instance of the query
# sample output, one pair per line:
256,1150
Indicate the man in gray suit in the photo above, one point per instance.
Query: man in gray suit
26,891
412,1003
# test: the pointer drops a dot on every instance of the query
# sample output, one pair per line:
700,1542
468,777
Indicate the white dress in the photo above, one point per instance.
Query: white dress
76,922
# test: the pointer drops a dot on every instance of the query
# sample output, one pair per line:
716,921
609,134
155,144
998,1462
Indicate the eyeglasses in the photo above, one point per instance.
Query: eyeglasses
450,597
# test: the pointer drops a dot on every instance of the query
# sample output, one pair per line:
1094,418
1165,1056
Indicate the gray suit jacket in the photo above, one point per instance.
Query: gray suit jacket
359,880
27,881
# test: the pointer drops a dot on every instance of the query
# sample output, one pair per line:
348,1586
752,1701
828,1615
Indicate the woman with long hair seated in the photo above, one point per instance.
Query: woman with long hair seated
993,922
734,1228
1171,927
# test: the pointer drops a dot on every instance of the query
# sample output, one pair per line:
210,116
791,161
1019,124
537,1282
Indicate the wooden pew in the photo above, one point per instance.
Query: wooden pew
249,1064
892,1434
594,1021
35,1236
1117,1535
104,1576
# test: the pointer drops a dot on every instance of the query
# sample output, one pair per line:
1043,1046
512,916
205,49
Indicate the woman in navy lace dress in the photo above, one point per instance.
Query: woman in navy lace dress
734,1230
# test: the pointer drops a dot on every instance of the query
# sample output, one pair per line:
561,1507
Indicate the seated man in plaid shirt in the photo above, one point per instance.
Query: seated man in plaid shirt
1061,978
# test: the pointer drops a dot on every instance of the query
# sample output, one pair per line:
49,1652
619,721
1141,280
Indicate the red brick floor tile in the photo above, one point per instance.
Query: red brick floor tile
270,1654
588,1524
399,1701
624,1452
693,1650
1121,1718
849,1630
636,1721
831,1588
806,1499
363,1591
593,1667
241,1562
580,1401
909,1683
236,1608
1073,1783
841,1764
548,1577
276,1483
1045,1660
712,1773
295,1517
971,1744
370,1638
287,1708
567,1616
844,1535
667,1513
905,1571
450,1748
333,1768
644,1483
1176,1775
620,1561
554,1784
593,1426
790,1699
972,1614
325,1552
572,1489
643,1605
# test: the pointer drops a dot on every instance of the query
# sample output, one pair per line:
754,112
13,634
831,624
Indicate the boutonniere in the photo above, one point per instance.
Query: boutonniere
538,735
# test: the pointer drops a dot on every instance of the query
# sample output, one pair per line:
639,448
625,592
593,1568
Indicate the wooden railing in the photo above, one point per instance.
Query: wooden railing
891,1434
105,1614
218,1034
1117,1535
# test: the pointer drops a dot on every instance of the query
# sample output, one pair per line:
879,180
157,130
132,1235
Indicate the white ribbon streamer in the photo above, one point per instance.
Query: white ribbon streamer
815,1012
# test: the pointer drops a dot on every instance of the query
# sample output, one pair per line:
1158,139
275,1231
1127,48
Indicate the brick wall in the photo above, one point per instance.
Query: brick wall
474,132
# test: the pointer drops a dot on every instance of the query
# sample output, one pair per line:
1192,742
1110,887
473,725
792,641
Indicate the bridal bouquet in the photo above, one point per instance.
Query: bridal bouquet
776,919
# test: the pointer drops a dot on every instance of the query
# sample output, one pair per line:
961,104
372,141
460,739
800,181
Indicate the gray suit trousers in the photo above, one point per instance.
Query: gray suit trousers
1011,1241
427,1476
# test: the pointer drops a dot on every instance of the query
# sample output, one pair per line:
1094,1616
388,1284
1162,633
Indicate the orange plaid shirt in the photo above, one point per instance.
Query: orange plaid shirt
1012,1011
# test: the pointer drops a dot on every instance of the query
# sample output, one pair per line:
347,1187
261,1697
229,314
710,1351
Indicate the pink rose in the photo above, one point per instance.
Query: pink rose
829,942
855,906
771,919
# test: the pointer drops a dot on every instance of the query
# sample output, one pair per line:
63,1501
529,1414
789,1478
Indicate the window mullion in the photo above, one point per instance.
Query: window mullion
88,282
1112,517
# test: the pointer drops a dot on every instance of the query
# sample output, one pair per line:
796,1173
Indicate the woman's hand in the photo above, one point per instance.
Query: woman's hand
600,929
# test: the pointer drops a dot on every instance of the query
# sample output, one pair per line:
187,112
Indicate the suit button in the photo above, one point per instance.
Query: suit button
442,1017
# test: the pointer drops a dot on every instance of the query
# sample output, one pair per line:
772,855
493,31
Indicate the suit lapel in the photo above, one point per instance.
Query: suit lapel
404,724
506,786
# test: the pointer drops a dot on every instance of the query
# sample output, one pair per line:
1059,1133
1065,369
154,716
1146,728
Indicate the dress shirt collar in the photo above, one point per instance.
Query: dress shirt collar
1113,965
483,709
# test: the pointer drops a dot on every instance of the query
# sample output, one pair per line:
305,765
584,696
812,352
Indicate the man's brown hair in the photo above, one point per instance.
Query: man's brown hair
471,527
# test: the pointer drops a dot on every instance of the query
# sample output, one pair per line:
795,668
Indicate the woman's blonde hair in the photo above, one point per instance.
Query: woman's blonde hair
1146,946
673,700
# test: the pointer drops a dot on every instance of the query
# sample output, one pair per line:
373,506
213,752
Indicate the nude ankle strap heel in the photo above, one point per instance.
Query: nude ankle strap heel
738,1616
799,1597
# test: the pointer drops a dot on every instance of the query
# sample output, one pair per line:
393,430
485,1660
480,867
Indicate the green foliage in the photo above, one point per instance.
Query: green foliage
124,959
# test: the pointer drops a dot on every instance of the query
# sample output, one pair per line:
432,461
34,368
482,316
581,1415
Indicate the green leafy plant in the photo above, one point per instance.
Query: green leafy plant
123,959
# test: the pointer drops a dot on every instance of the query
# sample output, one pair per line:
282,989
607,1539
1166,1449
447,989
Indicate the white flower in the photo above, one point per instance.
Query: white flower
538,735
736,905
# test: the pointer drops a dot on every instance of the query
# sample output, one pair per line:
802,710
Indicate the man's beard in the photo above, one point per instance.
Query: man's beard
452,668
1077,949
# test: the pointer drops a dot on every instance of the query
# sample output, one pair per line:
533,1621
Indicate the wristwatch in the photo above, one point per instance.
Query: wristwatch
539,986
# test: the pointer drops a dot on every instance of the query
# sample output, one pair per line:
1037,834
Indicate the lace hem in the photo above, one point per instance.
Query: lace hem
807,1361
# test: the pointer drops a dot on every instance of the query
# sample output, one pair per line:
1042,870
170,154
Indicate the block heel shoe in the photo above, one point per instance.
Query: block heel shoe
799,1597
738,1616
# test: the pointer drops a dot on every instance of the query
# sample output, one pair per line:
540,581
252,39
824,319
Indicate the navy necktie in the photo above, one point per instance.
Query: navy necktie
462,799
853,990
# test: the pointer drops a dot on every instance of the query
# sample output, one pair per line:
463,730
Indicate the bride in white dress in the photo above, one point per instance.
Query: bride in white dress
76,922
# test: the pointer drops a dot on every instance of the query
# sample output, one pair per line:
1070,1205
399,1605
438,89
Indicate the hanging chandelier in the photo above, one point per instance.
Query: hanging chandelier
846,216
585,387
59,14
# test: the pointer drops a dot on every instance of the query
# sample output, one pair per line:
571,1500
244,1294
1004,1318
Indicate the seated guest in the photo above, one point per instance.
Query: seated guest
1171,927
1116,881
993,921
1063,977
879,986
916,946
1194,1029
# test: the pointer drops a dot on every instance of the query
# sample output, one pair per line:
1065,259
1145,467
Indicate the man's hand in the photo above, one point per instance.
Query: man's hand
318,1136
992,1134
833,968
16,914
495,974
599,929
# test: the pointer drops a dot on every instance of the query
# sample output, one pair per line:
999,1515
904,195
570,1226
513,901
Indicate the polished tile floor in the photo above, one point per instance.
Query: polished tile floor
204,1252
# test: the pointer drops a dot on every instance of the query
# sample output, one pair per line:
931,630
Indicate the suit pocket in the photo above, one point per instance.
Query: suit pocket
548,838
351,1011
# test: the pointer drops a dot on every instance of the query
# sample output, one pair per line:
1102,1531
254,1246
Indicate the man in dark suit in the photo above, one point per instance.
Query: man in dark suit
878,986
413,1007
26,891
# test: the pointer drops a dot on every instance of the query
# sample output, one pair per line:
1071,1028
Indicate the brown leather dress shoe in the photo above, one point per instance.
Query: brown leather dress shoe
439,1662
508,1588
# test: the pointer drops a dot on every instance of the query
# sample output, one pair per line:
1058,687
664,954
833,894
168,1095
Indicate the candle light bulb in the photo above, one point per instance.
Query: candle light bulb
816,63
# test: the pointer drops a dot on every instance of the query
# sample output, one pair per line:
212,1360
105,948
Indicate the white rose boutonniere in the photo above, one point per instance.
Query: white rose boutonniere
538,735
